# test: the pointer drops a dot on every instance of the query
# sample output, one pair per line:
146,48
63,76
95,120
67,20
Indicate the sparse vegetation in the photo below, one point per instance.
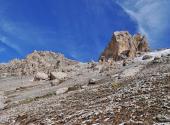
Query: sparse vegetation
116,85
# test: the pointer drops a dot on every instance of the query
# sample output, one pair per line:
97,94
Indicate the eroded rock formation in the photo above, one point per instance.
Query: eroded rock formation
124,45
66,92
38,61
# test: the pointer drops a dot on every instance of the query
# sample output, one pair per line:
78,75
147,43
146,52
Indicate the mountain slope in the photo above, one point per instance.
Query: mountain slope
92,93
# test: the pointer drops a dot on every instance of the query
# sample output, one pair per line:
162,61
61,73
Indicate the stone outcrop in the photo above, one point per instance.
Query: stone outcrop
123,45
40,76
92,93
58,75
38,61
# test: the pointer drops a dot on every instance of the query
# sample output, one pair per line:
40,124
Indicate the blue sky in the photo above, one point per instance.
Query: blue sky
80,29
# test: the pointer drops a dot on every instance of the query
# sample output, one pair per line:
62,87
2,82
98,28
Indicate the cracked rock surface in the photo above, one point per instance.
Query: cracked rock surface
92,94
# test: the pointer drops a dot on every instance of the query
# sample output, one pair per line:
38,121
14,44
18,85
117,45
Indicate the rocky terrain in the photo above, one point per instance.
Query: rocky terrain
123,45
37,61
48,89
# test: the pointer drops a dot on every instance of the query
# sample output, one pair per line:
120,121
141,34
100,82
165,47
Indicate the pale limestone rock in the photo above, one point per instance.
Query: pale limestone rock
40,76
61,90
123,46
58,75
37,61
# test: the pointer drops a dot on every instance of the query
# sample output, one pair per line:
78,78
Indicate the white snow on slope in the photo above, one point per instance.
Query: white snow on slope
154,54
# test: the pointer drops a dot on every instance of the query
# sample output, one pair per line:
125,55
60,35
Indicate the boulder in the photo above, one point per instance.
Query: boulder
74,88
157,60
4,75
55,82
146,57
123,46
92,81
162,119
40,76
58,75
124,62
61,90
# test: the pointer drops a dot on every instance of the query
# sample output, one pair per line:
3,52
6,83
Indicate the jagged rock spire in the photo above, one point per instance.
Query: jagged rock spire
124,45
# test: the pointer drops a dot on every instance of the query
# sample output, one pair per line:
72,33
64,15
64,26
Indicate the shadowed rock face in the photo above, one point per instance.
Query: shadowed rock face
140,42
123,45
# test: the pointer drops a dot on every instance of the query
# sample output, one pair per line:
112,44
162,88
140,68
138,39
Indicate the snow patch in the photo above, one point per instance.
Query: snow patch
154,54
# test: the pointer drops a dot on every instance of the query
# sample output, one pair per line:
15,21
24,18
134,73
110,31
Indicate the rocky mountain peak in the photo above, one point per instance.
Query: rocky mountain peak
37,61
47,88
123,45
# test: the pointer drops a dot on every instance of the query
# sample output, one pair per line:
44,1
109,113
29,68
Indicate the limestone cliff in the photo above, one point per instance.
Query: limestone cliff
124,45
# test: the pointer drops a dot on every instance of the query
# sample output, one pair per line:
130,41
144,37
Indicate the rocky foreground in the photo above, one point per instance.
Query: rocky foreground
128,86
48,89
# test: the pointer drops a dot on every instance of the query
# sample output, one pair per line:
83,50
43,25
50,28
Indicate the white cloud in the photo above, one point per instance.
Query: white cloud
7,42
152,16
23,32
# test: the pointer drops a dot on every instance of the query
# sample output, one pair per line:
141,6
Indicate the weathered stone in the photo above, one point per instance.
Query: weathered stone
75,87
45,61
157,58
92,81
102,59
140,43
61,90
58,75
93,65
146,57
134,123
40,76
123,46
124,63
161,118
55,82
3,75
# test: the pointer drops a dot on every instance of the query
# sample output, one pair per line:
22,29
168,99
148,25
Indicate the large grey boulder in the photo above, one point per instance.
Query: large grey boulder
40,76
58,75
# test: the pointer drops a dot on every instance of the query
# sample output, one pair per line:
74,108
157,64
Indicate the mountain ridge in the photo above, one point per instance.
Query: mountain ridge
47,88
